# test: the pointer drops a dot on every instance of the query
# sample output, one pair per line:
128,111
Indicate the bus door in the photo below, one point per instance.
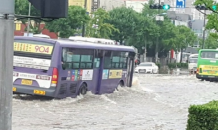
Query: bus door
130,68
98,69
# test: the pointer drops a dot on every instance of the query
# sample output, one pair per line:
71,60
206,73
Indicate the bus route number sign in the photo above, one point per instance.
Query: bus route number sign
32,48
42,49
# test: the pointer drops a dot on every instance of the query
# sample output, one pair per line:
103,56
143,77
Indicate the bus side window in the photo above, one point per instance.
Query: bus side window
107,60
123,60
116,60
74,58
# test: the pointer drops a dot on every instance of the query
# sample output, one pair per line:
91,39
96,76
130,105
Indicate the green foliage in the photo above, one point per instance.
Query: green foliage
103,29
69,26
210,42
212,23
178,65
125,20
203,117
159,65
22,8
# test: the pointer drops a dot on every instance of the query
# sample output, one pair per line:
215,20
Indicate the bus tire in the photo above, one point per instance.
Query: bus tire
83,89
121,83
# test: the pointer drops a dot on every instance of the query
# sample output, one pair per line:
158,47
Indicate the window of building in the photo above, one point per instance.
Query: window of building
73,58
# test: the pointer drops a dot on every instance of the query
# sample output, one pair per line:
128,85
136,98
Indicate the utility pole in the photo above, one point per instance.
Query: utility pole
6,62
204,29
83,29
157,44
28,27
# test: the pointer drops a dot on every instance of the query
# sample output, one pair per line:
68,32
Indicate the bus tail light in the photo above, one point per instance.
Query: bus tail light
197,71
54,80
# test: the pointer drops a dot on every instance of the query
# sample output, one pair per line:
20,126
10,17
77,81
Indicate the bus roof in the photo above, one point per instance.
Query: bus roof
193,55
41,35
93,40
80,44
208,50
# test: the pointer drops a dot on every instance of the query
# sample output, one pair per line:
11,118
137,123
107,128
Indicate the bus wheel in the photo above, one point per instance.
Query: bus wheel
121,83
83,89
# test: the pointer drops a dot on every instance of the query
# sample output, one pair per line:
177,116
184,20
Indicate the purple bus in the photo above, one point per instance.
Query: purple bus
64,68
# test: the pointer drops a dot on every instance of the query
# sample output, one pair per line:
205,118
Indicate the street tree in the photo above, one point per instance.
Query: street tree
125,20
186,37
22,8
210,42
67,27
213,17
155,30
98,25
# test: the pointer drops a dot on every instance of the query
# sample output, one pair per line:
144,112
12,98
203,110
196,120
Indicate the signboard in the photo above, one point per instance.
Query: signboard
32,61
87,74
180,3
209,70
113,74
33,48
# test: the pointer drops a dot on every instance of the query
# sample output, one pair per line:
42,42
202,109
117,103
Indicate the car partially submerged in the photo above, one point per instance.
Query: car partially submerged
147,67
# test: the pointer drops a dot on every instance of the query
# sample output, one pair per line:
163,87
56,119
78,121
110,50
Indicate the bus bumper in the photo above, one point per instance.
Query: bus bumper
206,77
49,92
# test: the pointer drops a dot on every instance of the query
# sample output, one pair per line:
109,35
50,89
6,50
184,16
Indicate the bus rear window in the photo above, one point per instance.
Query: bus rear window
33,49
209,54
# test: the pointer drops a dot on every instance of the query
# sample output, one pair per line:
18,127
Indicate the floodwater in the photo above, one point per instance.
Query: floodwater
158,102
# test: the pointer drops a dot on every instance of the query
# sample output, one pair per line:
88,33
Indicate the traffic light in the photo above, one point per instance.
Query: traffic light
214,8
201,7
51,8
156,6
166,7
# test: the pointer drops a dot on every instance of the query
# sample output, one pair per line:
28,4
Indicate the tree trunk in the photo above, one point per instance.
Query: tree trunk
156,51
145,54
181,55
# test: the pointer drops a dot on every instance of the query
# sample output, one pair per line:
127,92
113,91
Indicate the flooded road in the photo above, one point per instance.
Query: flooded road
158,102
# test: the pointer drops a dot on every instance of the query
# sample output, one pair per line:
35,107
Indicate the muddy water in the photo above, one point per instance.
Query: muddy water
158,102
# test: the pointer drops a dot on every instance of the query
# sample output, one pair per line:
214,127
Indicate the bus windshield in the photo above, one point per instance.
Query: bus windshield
32,54
145,64
209,54
193,60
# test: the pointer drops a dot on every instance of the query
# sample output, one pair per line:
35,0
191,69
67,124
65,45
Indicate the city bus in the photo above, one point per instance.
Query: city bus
207,67
192,63
67,68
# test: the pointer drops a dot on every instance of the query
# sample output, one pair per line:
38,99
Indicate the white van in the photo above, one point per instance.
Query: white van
192,63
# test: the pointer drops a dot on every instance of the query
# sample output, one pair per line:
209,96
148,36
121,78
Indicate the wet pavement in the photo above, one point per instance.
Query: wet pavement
158,102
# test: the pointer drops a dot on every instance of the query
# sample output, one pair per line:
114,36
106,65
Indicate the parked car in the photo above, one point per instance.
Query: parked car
147,67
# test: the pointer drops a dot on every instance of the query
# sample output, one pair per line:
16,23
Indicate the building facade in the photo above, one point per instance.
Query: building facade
82,4
110,4
19,30
136,5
